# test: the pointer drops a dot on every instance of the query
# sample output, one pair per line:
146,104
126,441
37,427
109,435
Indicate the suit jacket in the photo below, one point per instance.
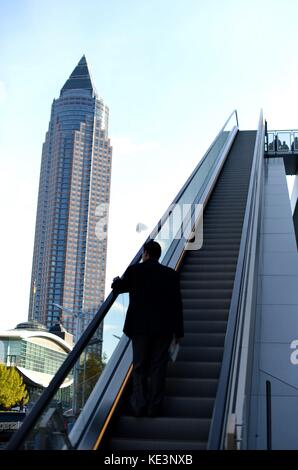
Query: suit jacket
155,305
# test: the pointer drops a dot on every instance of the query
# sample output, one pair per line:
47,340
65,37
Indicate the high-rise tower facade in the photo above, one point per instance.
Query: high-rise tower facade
69,259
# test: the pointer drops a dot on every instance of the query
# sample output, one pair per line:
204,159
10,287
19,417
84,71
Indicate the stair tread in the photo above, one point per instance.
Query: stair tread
122,443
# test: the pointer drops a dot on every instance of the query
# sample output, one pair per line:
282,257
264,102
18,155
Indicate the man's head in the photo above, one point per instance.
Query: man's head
152,250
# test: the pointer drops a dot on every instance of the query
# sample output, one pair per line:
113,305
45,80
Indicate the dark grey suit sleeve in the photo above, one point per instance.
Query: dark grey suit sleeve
123,284
179,329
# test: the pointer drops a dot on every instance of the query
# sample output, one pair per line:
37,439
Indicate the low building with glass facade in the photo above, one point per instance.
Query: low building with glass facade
37,354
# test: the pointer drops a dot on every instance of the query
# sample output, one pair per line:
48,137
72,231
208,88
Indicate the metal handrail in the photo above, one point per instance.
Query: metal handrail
83,341
245,351
229,360
276,131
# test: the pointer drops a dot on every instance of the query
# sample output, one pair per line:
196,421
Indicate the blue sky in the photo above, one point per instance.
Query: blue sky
170,71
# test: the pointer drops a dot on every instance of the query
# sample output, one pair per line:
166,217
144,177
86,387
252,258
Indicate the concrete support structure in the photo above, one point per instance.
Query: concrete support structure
276,318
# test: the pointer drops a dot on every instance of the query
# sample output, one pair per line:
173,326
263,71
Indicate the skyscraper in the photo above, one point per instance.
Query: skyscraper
69,259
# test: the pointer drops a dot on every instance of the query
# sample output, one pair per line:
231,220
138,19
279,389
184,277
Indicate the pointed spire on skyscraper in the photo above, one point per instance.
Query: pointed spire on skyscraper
80,79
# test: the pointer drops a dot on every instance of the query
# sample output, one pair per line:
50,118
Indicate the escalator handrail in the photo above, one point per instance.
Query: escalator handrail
70,361
215,441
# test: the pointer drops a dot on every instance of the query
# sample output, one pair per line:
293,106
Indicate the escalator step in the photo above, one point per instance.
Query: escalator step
233,202
215,235
218,240
203,261
205,293
161,444
207,252
200,268
163,428
210,284
192,407
187,369
206,303
218,247
198,315
220,224
211,276
200,326
203,339
222,231
185,387
217,209
221,217
197,353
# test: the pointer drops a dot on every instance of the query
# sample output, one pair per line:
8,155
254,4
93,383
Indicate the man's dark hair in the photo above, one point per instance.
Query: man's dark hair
153,249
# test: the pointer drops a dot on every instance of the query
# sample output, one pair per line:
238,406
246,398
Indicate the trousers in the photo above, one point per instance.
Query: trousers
150,359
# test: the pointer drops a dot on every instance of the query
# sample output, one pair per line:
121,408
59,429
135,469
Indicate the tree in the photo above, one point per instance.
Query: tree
13,391
88,375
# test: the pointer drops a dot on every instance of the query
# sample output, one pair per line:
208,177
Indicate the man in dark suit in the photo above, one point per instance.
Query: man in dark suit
154,317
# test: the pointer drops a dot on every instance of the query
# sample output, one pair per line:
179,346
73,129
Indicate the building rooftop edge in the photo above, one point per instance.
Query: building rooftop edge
24,334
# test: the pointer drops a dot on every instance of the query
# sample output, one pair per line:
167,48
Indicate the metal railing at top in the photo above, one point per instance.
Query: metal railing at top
284,142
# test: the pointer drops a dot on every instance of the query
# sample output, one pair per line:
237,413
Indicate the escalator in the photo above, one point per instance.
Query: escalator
207,278
194,383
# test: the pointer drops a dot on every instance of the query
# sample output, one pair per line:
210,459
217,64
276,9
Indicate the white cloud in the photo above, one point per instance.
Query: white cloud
119,308
108,327
125,146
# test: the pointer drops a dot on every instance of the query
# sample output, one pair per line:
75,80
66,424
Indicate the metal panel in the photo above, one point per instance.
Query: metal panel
277,211
277,290
279,242
276,226
275,361
278,319
276,199
279,322
280,264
